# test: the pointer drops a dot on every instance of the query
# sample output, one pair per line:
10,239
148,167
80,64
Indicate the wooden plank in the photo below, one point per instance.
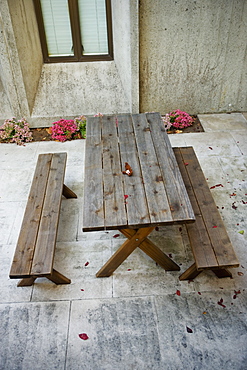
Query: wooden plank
190,274
46,240
136,203
221,243
158,205
199,239
178,199
114,202
23,256
93,208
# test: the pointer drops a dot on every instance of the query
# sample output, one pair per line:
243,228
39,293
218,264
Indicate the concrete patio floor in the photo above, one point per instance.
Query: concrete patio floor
134,319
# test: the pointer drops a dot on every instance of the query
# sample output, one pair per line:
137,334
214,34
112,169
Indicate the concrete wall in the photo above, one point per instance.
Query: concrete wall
71,89
21,58
126,47
193,55
28,45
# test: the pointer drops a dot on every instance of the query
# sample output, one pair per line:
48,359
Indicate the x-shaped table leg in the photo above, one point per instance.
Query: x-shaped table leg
137,238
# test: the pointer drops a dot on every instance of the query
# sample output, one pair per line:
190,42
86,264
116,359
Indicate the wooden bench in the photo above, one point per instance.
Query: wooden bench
36,244
211,246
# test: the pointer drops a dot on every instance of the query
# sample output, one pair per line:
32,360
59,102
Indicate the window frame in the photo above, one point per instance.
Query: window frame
76,35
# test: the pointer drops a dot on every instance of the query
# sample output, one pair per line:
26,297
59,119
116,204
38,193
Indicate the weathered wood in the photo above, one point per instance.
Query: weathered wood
153,195
210,243
159,208
176,193
154,252
23,257
123,252
199,238
114,202
46,239
113,140
191,273
93,207
136,204
36,244
68,193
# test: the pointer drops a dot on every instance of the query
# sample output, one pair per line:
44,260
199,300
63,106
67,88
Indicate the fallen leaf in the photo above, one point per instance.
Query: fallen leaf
214,227
82,290
178,292
210,148
49,130
189,330
199,293
83,336
233,195
233,205
240,273
157,228
126,196
116,235
186,164
220,303
244,202
241,232
170,255
216,186
128,170
86,264
204,313
236,293
129,270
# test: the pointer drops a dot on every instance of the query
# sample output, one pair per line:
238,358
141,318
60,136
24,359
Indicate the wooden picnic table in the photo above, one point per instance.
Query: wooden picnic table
154,195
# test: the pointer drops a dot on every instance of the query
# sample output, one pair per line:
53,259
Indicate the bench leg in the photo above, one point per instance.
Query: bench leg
190,273
68,193
27,281
221,273
154,252
58,278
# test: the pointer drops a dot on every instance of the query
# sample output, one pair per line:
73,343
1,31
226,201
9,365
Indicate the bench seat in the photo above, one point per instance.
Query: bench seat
34,254
210,243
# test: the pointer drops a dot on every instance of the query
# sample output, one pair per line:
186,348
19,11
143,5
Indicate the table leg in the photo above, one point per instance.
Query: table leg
124,251
154,252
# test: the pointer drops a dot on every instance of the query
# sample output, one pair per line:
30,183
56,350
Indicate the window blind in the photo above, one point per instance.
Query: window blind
57,27
93,25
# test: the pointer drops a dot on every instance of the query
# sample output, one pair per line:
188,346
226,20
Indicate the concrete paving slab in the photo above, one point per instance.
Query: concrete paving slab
223,122
10,214
122,335
9,184
34,335
212,144
79,261
241,141
194,331
9,292
134,319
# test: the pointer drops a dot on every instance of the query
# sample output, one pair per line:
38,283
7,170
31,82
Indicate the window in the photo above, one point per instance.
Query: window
75,30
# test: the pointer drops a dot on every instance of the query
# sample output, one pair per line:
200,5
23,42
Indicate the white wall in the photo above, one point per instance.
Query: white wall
126,47
193,55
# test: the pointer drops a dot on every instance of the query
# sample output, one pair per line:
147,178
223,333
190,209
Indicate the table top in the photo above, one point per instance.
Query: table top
155,193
